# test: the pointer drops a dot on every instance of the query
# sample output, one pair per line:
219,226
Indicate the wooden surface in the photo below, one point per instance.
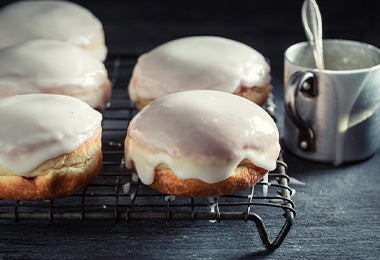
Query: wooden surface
338,208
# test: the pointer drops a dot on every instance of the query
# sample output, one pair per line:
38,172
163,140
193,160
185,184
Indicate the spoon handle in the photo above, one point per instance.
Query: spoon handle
312,23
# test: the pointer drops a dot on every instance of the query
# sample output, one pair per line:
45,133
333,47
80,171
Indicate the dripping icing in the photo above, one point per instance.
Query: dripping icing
195,133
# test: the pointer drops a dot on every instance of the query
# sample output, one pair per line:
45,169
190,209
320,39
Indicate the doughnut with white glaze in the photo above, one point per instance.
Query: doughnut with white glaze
200,62
58,20
54,67
201,143
50,146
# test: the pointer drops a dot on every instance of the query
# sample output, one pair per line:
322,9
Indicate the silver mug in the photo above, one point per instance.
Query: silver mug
332,114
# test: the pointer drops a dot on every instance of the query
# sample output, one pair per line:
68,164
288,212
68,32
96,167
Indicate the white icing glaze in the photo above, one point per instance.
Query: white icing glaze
100,52
38,127
49,66
201,134
59,20
201,62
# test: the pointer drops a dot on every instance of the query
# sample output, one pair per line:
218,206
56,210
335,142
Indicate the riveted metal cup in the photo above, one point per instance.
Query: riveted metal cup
332,115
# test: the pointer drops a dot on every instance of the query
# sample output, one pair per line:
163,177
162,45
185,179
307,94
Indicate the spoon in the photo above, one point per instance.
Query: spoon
312,23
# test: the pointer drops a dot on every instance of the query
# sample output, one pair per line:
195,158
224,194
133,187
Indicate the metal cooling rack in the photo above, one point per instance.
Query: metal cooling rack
117,194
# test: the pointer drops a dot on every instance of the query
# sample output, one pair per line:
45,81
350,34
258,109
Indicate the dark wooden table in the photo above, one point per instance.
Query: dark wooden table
337,208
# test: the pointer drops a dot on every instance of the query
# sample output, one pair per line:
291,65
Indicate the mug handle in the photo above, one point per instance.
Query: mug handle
304,83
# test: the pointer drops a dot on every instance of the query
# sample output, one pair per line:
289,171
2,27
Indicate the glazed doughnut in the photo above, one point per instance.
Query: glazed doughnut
200,62
58,20
201,143
54,67
50,146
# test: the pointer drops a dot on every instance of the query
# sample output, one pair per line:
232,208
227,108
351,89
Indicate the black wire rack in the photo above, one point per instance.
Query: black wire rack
118,195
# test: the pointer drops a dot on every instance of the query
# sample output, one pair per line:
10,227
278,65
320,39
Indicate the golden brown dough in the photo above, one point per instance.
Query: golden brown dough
258,95
57,177
244,176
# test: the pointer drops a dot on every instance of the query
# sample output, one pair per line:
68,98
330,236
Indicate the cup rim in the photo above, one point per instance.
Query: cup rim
349,42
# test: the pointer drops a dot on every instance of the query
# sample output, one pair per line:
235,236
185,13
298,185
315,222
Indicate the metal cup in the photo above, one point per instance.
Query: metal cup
332,115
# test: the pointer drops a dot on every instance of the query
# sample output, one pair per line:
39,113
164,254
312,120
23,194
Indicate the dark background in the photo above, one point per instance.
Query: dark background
338,208
269,26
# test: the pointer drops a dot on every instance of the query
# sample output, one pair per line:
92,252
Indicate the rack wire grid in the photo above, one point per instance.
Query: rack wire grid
118,195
